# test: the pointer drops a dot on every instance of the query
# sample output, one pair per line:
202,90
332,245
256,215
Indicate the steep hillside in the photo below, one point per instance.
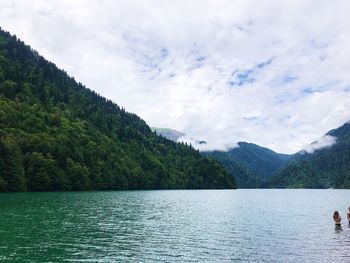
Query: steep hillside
55,134
261,161
243,176
327,167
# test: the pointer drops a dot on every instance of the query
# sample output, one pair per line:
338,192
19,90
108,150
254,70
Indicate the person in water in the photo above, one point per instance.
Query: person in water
336,218
348,215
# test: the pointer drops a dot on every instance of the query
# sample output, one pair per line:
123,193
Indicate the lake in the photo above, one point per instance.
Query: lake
175,226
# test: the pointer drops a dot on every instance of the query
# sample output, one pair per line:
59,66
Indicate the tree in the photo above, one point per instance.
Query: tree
40,171
11,167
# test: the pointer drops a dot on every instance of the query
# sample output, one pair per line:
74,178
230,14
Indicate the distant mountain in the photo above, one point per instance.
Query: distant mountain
324,164
262,161
55,134
244,178
253,164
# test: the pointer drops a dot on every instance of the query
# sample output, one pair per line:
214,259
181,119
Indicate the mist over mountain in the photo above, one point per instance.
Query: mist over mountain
178,136
324,163
321,167
168,133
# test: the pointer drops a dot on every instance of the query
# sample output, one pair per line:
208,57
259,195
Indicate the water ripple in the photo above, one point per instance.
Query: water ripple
174,226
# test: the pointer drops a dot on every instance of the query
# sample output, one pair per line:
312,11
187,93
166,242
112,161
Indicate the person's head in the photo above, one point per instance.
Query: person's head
349,208
336,214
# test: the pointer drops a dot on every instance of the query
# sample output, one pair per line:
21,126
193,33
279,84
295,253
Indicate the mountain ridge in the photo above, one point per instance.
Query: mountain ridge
250,164
261,160
254,166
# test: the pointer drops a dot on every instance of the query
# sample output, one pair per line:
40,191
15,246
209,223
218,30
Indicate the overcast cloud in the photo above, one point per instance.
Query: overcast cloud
275,73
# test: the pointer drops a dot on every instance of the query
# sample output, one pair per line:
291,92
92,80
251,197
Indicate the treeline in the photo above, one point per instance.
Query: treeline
55,134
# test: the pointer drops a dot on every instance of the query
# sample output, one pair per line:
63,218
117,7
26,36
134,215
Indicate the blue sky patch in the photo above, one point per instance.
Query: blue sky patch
347,89
288,79
246,76
265,63
309,90
201,58
164,53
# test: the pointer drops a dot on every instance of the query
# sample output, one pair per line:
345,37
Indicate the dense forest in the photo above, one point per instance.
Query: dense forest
250,164
55,134
244,177
328,167
262,161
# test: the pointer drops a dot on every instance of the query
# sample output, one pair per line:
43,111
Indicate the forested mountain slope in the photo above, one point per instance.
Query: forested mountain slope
250,164
243,176
262,161
328,167
55,134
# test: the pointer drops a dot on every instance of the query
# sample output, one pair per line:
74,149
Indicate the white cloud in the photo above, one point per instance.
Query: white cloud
219,145
270,72
323,142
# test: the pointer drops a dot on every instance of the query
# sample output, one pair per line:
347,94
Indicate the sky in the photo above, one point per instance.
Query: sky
275,73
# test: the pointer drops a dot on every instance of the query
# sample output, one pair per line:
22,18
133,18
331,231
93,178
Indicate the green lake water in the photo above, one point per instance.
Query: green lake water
175,226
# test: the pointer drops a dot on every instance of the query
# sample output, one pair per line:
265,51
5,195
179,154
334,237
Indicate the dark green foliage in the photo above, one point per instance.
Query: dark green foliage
11,167
55,134
325,168
261,161
250,164
243,176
